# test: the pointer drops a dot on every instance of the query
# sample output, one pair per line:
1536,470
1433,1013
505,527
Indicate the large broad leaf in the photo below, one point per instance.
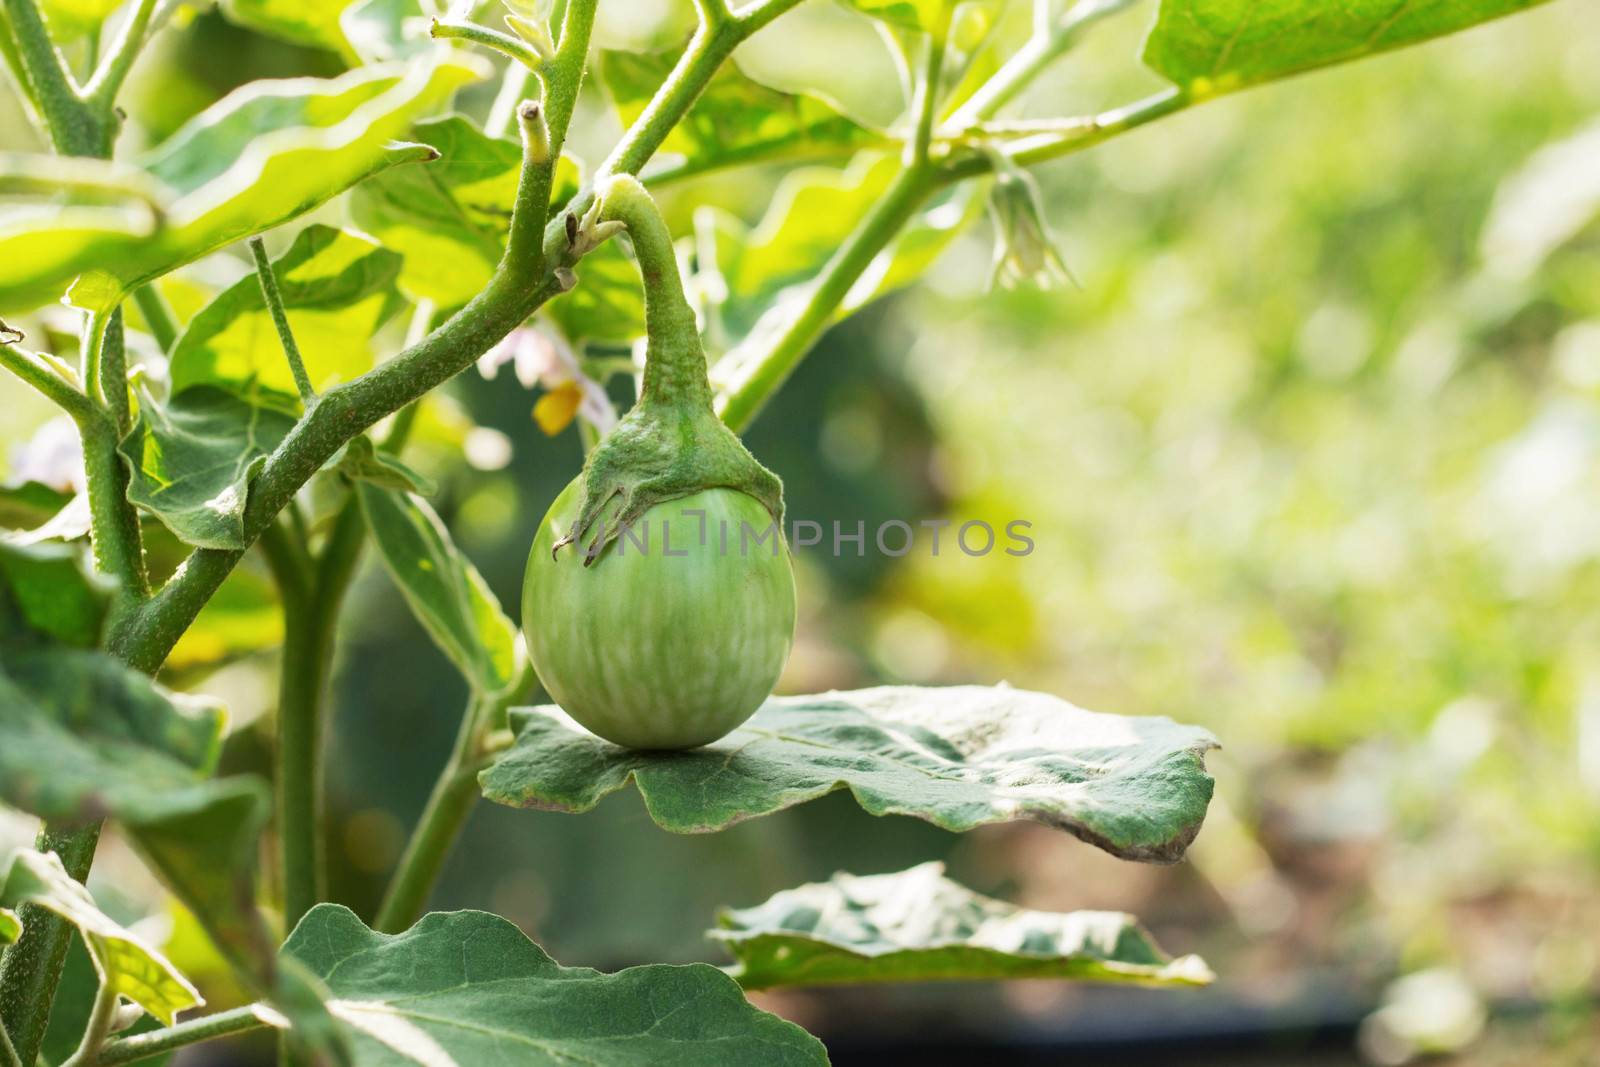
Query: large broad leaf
124,962
307,22
54,591
1213,46
469,988
263,155
337,288
449,218
735,119
958,757
444,589
918,926
192,461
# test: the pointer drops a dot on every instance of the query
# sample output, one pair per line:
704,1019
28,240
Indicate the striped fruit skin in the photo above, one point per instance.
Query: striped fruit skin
652,651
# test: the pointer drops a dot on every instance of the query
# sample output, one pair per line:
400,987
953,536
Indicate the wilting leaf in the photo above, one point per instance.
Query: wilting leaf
446,592
265,154
193,459
958,757
1212,46
124,962
54,590
468,987
733,120
337,288
918,926
307,22
449,217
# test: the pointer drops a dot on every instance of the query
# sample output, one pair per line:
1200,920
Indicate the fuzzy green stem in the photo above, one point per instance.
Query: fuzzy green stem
114,373
37,371
1075,136
98,1028
168,1039
504,43
1050,42
759,379
452,800
31,968
8,1051
927,102
157,316
280,319
676,368
73,128
101,91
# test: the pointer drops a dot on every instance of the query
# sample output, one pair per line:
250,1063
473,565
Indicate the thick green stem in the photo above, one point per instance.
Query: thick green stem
760,377
101,91
31,968
280,319
454,794
156,1042
39,372
74,129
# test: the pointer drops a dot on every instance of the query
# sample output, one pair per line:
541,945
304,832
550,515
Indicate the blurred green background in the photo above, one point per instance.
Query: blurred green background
1311,454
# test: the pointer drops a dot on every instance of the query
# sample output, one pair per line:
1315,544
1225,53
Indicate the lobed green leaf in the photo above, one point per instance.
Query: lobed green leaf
191,461
449,218
125,963
1207,47
735,119
958,757
470,988
263,155
918,926
446,592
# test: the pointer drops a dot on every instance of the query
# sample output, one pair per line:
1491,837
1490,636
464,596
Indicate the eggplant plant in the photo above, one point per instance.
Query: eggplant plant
272,417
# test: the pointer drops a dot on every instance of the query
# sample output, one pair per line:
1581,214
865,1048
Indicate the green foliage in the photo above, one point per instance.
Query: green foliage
10,926
449,217
192,461
1136,787
1215,46
917,926
469,987
446,593
338,289
308,22
124,962
265,154
54,591
734,119
71,19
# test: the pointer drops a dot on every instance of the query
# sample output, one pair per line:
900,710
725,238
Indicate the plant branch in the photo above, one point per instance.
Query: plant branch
757,376
927,102
280,319
157,315
1050,41
98,1028
504,43
73,130
8,1051
454,794
103,86
1074,135
51,378
156,1042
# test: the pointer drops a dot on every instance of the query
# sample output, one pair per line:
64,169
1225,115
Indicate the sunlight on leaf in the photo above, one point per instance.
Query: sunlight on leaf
128,965
958,757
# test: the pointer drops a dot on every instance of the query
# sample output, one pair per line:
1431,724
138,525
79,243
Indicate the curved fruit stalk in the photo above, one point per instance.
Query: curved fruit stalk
672,622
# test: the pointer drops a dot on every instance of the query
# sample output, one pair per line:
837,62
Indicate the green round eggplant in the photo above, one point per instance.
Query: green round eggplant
675,632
